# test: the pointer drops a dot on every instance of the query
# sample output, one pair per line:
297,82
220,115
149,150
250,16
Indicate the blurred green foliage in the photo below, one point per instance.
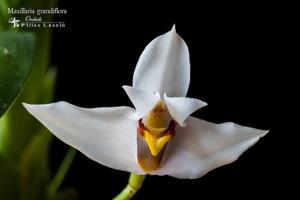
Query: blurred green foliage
9,180
34,167
25,76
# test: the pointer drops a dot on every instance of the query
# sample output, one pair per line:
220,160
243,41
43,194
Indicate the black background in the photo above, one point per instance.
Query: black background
237,57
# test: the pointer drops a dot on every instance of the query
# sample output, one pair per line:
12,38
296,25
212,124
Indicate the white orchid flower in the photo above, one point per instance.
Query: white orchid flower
158,137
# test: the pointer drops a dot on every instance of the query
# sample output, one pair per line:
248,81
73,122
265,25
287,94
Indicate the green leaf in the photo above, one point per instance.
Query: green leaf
16,56
9,185
34,167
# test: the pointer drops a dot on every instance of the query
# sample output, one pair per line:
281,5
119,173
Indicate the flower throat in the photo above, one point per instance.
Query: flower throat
154,132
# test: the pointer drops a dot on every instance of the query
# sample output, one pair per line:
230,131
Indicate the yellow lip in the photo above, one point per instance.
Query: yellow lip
151,145
156,144
157,138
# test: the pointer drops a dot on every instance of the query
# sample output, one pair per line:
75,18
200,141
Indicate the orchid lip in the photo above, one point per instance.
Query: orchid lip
156,142
151,147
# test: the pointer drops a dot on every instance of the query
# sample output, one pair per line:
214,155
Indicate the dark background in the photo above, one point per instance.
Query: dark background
237,57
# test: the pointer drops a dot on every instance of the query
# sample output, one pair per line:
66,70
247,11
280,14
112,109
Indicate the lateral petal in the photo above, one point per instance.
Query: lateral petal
143,101
180,108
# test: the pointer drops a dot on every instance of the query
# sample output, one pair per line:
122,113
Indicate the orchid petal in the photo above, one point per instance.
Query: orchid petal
203,146
164,66
180,108
143,101
105,135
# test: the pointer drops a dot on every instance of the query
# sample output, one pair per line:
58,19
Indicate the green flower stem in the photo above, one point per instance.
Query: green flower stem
61,173
134,184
